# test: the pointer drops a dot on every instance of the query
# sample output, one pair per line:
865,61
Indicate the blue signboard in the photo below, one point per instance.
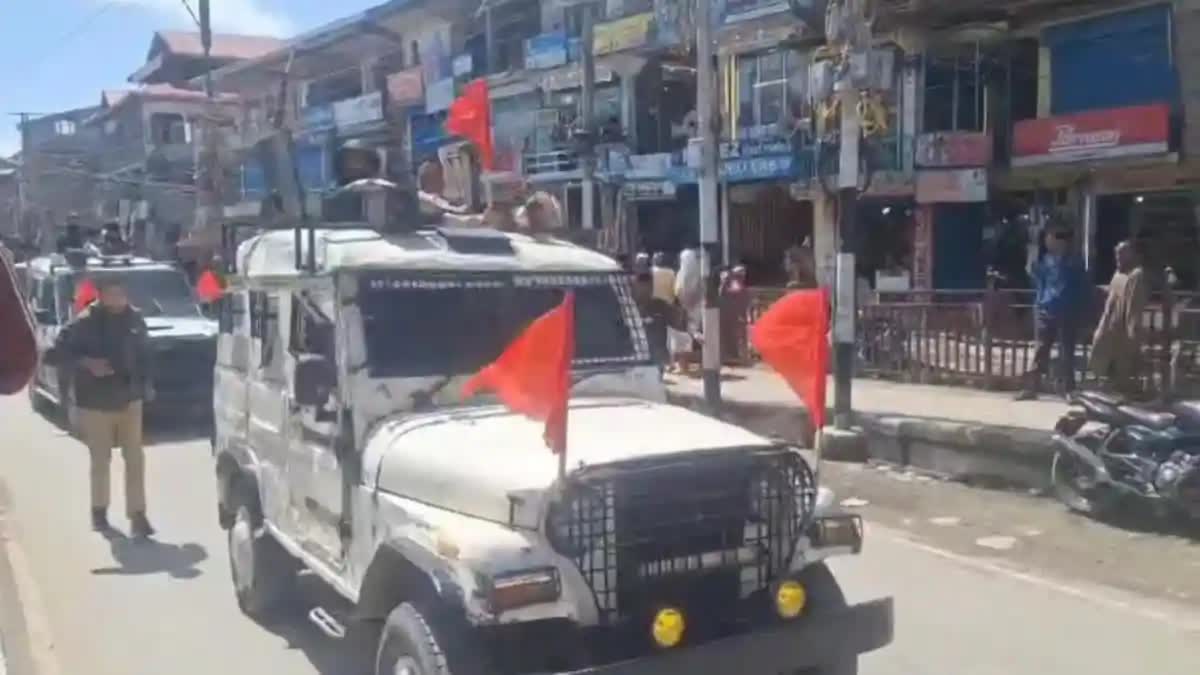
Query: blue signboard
547,50
317,118
746,169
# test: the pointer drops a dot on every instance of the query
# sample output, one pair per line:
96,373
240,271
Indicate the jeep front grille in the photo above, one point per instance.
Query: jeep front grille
703,529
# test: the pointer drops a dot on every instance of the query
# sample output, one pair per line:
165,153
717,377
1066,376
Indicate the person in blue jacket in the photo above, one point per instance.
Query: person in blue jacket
1062,296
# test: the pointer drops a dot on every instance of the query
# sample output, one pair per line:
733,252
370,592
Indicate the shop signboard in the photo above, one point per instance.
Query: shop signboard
358,111
743,10
463,65
317,118
952,186
648,191
628,33
1095,134
547,50
439,95
765,158
406,88
951,149
922,273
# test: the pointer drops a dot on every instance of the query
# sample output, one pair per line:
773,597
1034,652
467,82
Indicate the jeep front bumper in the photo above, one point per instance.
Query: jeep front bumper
819,639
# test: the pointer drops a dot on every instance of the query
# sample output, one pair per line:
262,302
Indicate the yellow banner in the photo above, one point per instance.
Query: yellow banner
614,36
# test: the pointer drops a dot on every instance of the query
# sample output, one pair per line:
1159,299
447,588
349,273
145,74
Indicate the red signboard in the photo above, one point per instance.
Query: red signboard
1097,134
947,149
406,87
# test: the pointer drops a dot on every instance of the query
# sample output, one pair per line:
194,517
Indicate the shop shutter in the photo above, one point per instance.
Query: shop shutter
1112,61
310,160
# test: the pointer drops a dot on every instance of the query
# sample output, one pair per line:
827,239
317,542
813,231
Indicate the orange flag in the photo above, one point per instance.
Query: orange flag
470,117
209,287
793,338
85,294
533,375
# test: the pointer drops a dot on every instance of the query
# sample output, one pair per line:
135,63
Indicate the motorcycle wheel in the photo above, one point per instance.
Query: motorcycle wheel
1075,486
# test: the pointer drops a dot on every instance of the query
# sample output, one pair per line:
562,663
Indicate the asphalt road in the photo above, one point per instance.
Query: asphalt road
91,606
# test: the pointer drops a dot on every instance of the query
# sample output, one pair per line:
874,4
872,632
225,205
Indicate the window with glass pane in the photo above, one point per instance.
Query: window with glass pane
763,86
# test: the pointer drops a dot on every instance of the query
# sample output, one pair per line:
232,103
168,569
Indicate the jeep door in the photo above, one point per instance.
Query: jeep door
49,317
267,397
314,469
231,376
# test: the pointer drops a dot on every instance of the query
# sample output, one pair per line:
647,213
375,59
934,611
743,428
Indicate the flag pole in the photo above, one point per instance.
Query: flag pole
562,464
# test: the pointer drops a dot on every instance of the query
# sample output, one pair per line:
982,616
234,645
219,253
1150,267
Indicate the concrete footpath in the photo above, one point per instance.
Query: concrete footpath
970,435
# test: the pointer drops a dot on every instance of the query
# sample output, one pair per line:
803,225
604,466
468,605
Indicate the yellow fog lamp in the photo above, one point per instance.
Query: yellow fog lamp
521,589
668,627
790,599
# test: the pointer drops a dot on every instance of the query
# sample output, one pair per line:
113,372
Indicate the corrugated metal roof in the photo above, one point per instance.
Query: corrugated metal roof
224,45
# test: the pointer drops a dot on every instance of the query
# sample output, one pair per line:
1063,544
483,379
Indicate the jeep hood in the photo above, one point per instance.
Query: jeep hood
160,327
477,461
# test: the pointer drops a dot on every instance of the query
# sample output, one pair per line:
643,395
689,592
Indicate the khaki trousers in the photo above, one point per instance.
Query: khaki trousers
102,430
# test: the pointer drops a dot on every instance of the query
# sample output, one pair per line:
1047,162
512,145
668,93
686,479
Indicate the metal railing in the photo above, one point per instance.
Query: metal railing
985,338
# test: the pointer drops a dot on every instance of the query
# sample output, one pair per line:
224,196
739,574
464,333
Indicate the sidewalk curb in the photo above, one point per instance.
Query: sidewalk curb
971,452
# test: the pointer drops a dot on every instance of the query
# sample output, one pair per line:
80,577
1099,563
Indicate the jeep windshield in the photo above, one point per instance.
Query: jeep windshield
156,292
454,324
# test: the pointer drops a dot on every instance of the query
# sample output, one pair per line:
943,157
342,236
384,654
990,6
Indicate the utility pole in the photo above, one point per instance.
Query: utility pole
587,110
706,102
208,201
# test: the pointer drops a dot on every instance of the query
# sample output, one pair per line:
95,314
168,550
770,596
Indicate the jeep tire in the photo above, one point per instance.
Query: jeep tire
264,574
825,595
423,639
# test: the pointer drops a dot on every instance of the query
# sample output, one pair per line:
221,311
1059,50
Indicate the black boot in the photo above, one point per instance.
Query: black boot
139,525
100,520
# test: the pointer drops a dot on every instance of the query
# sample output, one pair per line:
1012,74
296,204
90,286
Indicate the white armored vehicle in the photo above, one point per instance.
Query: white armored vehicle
673,543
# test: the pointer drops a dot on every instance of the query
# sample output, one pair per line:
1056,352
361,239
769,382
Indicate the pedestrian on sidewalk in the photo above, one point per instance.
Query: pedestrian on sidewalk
1062,293
735,312
105,348
1117,343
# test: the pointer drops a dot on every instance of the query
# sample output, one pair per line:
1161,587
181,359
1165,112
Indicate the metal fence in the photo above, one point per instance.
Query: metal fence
985,338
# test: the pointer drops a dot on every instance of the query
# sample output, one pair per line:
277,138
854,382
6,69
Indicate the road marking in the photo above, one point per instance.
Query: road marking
1177,618
28,600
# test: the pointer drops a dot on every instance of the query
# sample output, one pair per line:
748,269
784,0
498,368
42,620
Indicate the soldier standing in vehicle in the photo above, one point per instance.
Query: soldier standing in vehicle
105,348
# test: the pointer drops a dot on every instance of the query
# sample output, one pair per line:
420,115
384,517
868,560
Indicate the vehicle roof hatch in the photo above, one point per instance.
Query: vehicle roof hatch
476,241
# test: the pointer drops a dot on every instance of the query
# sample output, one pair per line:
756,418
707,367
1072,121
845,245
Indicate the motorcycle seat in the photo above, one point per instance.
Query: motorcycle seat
1151,419
1188,413
1099,398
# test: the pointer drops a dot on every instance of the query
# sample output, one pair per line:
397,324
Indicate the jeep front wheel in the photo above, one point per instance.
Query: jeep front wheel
423,640
263,572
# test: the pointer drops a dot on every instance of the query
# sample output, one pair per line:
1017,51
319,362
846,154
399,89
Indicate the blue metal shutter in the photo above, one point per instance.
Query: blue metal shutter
1112,61
311,161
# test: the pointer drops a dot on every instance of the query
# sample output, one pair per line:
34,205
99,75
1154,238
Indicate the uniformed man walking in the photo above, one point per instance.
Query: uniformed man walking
105,348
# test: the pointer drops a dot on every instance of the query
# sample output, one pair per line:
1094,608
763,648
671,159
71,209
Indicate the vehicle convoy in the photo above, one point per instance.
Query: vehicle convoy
673,542
182,339
1110,450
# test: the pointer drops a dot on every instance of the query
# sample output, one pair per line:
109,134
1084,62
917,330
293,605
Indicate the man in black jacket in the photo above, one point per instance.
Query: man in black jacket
105,348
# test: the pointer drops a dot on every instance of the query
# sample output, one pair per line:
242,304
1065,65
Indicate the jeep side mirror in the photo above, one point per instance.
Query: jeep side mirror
314,380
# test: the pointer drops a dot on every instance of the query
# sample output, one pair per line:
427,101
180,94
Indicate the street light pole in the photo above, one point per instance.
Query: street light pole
706,117
587,110
208,202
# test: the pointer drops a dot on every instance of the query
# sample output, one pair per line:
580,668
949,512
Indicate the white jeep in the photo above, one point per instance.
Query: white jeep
673,543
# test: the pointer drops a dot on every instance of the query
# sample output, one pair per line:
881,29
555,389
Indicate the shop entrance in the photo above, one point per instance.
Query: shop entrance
958,261
1162,224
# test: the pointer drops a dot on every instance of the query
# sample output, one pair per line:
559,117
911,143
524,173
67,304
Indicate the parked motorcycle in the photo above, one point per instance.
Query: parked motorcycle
1108,450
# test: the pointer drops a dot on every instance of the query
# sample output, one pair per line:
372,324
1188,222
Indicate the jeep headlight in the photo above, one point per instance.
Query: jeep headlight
523,588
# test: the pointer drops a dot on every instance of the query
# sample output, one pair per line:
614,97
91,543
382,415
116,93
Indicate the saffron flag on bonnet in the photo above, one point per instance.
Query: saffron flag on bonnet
18,345
85,294
792,337
533,375
470,117
209,287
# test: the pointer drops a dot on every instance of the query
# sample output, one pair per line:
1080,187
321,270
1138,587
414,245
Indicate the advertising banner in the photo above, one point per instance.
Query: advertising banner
1096,134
